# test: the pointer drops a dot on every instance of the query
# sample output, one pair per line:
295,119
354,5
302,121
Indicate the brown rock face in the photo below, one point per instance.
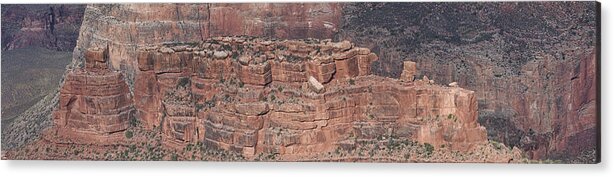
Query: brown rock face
95,103
253,96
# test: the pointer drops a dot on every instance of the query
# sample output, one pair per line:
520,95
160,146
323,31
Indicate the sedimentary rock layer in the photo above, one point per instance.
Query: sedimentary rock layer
126,27
95,104
253,96
523,60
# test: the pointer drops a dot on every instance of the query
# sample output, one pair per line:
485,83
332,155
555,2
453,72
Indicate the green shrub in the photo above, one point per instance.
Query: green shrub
129,134
429,148
273,97
133,121
183,82
351,81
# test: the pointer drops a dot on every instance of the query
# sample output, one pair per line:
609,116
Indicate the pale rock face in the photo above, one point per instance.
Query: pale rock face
315,85
220,55
453,84
409,71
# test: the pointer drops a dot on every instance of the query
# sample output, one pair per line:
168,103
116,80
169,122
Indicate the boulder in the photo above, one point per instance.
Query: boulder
453,84
409,71
315,85
220,55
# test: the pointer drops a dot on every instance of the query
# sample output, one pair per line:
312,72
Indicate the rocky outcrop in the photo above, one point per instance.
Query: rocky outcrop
126,27
409,71
521,59
95,104
253,96
506,52
54,26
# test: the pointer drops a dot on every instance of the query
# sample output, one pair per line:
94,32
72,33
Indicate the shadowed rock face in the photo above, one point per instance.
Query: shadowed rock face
527,62
55,26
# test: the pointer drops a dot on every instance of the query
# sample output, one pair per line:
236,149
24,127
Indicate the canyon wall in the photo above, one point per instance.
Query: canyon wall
253,96
126,27
52,26
532,64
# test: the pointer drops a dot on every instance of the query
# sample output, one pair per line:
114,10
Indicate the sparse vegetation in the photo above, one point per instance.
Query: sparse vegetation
371,117
134,121
183,82
429,149
128,134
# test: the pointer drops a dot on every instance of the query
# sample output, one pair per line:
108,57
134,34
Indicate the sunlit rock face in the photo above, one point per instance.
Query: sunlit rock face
253,95
95,104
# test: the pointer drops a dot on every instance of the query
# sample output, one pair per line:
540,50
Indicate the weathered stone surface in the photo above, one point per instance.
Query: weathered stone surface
315,85
524,90
252,109
220,54
225,102
453,84
95,103
528,121
259,107
409,71
158,23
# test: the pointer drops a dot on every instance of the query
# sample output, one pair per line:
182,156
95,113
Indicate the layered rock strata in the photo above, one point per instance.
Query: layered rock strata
126,27
526,61
254,96
95,104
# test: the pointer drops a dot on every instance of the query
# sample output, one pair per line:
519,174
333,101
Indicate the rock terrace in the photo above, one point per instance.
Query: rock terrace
252,95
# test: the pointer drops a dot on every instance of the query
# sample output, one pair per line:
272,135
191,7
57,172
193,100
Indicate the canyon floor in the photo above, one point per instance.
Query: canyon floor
28,75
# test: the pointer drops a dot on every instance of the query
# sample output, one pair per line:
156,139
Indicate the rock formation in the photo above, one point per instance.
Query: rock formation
95,104
521,59
127,26
409,71
252,96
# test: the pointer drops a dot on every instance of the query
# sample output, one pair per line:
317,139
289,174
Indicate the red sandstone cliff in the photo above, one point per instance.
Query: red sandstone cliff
128,28
95,104
294,99
531,64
